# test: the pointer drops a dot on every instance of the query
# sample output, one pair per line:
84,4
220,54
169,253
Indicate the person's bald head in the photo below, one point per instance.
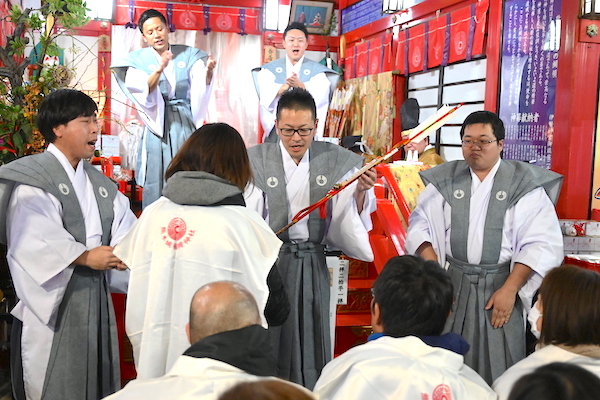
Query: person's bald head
220,307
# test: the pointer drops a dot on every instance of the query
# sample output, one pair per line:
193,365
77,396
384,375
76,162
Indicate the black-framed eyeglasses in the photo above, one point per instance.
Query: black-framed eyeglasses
290,132
478,143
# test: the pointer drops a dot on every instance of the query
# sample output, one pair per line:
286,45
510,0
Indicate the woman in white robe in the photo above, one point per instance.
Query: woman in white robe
569,316
198,232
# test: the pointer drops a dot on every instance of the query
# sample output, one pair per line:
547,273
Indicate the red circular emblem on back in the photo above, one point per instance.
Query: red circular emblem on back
176,228
442,392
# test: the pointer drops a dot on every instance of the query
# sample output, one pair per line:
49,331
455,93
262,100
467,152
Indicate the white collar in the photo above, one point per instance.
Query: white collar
489,176
64,161
289,67
287,158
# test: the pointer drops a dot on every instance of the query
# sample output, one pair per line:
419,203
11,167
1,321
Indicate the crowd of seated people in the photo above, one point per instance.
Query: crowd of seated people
406,357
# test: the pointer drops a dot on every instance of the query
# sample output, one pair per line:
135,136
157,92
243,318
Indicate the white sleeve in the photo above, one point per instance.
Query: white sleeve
429,222
199,92
256,200
151,105
536,238
268,98
348,230
319,86
40,250
123,221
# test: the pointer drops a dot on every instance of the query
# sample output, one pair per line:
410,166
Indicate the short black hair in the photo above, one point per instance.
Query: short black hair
150,13
62,106
296,25
297,99
414,296
487,118
557,381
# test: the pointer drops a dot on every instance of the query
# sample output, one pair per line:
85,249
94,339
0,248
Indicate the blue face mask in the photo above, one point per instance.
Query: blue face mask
533,317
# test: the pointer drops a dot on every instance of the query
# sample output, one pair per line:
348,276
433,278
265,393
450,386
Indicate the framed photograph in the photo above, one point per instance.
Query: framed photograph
315,15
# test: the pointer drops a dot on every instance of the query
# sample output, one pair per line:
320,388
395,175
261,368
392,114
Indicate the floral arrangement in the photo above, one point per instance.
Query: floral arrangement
19,99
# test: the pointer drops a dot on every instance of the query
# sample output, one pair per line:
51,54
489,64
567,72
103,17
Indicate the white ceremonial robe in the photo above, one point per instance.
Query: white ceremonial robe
318,86
546,355
152,104
346,230
40,255
400,368
191,378
531,233
215,243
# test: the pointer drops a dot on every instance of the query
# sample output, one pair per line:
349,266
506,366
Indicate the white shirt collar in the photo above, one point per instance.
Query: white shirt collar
475,182
289,68
289,164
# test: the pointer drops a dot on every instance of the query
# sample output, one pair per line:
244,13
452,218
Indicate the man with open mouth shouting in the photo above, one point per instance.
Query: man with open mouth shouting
62,219
170,86
293,70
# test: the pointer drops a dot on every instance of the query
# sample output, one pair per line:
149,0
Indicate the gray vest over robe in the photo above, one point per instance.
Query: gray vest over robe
145,60
513,180
308,70
328,164
84,358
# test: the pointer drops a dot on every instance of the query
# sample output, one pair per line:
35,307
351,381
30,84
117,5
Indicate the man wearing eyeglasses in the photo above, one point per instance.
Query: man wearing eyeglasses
289,176
293,70
492,223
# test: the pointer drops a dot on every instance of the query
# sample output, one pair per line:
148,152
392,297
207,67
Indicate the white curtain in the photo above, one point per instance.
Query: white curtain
233,100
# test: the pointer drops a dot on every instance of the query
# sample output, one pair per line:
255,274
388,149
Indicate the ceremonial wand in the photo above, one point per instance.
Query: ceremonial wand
434,122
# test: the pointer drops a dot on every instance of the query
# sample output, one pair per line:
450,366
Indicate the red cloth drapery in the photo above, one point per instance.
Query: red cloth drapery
221,19
375,55
445,39
349,66
388,54
416,48
401,53
436,40
362,59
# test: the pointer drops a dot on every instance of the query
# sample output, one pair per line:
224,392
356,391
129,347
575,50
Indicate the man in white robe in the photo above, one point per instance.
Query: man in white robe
289,176
293,70
492,224
62,217
170,86
406,357
228,347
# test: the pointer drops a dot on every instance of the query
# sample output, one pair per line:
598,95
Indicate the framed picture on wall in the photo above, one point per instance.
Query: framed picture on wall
315,15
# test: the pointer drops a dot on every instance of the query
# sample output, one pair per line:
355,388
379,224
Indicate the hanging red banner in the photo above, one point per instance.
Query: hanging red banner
481,9
416,48
221,19
401,53
459,34
388,54
375,55
362,59
436,41
349,71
